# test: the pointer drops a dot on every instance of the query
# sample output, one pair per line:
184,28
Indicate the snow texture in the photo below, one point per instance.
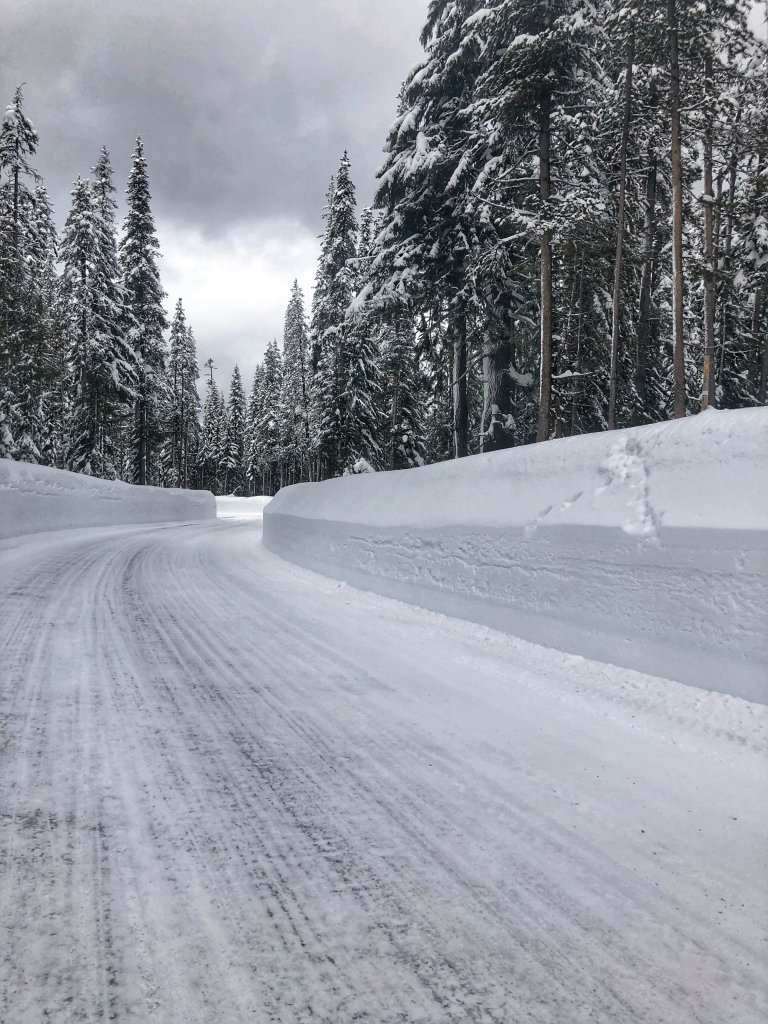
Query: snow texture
230,507
34,499
236,791
646,548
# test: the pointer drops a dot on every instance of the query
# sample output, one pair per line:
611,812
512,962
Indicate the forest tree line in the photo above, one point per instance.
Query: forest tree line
569,234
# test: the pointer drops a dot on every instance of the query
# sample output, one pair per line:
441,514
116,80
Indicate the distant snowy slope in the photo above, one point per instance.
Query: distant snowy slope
647,547
34,499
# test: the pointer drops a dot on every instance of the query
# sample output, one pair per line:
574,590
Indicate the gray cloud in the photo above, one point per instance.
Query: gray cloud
244,105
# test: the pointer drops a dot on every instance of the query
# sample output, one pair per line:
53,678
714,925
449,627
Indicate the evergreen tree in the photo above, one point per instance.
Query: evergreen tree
139,253
211,454
181,427
429,228
18,390
361,371
403,434
100,362
294,398
269,449
335,291
47,334
253,431
235,454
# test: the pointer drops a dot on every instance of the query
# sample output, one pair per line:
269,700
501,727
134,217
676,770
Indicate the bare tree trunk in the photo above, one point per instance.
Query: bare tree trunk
393,422
727,247
577,361
762,389
460,397
678,342
140,421
497,395
708,377
616,314
647,279
545,365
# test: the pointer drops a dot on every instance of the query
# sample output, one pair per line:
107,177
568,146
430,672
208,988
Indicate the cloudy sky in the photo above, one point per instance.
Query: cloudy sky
245,107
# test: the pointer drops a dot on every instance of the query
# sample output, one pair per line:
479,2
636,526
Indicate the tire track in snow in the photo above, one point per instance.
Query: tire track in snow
240,813
221,673
548,896
56,865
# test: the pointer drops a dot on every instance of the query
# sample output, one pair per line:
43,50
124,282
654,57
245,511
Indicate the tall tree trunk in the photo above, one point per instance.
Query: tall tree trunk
497,395
460,397
762,389
393,421
577,360
678,351
16,224
646,290
727,246
140,444
708,377
616,313
545,365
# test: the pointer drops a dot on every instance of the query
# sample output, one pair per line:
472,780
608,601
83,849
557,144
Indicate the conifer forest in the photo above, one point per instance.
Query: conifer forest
569,234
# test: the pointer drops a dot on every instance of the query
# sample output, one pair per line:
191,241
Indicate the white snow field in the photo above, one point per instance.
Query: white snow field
35,499
234,790
646,548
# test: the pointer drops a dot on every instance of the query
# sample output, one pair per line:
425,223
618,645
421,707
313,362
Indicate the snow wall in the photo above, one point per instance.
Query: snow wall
647,548
36,498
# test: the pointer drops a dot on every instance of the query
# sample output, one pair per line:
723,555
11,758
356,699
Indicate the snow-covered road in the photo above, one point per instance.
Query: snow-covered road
232,790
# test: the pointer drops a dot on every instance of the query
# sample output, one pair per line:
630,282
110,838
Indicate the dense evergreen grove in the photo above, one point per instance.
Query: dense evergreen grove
570,234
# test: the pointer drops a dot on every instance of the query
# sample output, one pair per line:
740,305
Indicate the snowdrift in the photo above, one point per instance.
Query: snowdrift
647,548
34,499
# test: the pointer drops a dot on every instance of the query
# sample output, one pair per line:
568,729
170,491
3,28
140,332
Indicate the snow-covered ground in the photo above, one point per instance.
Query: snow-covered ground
646,548
34,499
230,507
234,790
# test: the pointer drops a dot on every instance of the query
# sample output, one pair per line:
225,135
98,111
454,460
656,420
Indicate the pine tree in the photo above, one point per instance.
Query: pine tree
211,454
47,334
18,144
100,362
181,426
330,333
111,321
235,447
270,451
253,431
294,398
429,229
403,399
362,384
139,253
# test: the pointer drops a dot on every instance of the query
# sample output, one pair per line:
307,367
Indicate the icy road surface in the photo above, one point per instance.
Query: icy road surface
234,791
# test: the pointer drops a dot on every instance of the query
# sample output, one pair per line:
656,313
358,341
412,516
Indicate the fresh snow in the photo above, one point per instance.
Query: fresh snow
34,499
646,548
236,790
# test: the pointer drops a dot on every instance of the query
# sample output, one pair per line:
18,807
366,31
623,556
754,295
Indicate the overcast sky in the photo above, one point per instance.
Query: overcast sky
245,107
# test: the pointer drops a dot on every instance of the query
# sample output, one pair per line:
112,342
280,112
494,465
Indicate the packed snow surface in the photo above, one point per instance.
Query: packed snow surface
646,548
34,499
234,790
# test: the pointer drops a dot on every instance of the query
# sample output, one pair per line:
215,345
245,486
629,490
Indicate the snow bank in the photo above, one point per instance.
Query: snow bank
647,548
34,499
